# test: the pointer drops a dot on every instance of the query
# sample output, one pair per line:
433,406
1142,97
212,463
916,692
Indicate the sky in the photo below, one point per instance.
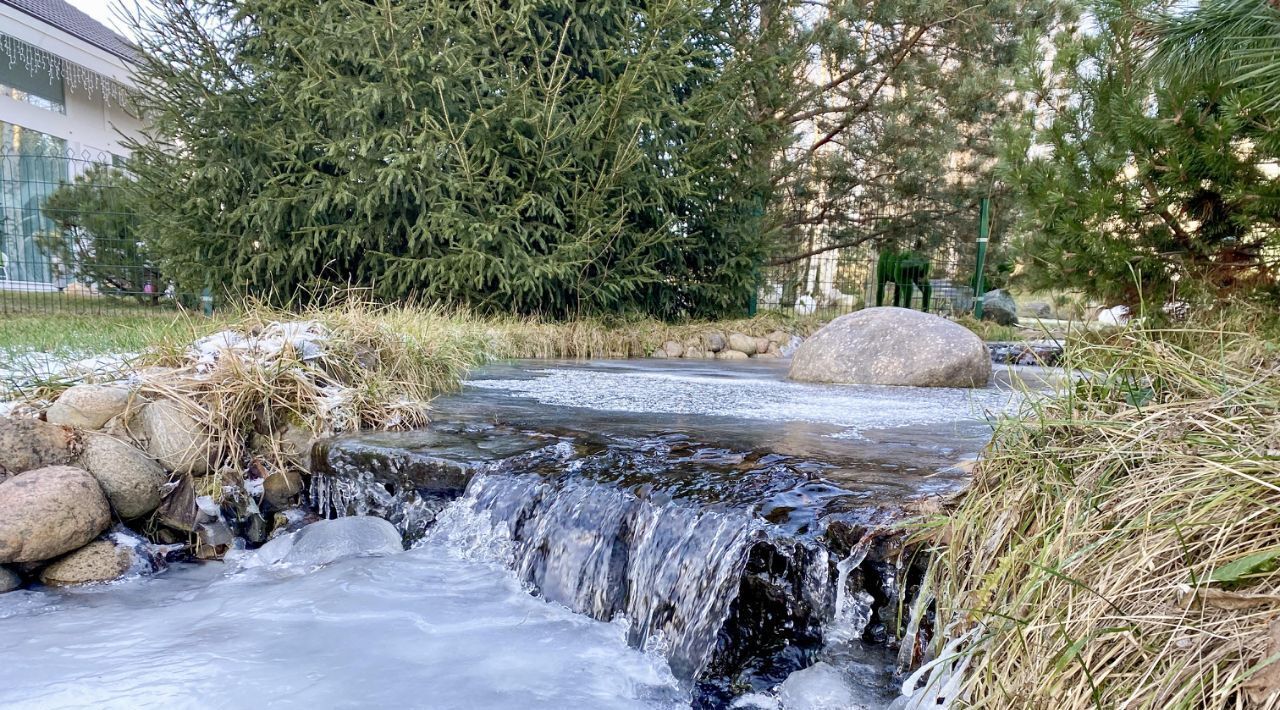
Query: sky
104,11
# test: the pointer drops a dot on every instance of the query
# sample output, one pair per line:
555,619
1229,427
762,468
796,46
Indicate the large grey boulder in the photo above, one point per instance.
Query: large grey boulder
1000,307
49,512
88,406
27,444
174,437
130,478
893,346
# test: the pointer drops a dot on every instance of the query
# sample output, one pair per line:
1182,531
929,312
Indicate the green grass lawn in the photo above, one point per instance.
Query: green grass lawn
124,332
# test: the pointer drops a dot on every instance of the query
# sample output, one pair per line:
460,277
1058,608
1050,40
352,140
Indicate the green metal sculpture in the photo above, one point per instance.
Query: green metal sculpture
906,269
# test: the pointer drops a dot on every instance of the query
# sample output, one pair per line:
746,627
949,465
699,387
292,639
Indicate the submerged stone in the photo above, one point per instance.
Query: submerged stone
327,541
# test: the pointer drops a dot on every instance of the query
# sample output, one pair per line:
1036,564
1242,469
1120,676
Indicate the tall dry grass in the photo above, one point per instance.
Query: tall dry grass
1119,547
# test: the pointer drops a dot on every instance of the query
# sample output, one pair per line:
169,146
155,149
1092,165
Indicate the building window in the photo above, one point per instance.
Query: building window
41,90
32,166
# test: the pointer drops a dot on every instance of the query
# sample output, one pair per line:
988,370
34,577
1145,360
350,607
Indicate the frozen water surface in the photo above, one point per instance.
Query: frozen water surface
421,629
755,391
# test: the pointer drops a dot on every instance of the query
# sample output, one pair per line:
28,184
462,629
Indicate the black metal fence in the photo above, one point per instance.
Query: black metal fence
69,243
68,239
843,280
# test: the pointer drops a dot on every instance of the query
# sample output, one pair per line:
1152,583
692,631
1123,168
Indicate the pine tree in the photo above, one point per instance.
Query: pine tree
553,156
1132,180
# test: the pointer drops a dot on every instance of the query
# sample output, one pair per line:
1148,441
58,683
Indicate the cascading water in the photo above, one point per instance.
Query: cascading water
670,571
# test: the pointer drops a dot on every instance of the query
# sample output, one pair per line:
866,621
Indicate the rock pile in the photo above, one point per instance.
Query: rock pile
715,345
198,455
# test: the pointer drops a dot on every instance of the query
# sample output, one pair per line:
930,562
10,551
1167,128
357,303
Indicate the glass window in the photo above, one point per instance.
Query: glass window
32,166
41,89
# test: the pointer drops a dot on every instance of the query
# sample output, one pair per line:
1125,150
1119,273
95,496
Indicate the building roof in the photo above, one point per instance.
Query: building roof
63,16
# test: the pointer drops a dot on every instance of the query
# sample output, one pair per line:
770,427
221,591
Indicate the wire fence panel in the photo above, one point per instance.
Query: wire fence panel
844,280
68,239
69,243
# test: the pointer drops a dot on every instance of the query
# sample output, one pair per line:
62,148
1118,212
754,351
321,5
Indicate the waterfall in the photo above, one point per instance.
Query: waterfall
670,570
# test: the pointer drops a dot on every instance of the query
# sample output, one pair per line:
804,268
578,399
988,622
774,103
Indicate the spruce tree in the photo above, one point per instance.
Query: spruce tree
551,157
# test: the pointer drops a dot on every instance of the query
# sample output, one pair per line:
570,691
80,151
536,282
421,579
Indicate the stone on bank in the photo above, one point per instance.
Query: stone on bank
131,480
49,512
893,346
27,444
88,406
99,561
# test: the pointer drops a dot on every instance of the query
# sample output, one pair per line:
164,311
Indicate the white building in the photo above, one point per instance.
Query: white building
65,81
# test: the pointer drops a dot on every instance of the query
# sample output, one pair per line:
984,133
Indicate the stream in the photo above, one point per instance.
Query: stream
620,534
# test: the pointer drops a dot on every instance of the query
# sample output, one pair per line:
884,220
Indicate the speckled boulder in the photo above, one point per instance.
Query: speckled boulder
130,478
172,436
732,355
27,444
88,406
893,346
99,561
49,512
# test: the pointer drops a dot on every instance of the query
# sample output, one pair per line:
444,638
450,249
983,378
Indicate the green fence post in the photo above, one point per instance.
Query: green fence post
206,301
984,217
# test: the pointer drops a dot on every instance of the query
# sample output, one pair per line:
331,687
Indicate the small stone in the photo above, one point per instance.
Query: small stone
659,354
742,343
88,406
1000,307
732,355
762,345
131,480
1037,309
296,442
27,444
715,342
9,580
213,540
178,507
778,337
673,349
694,353
99,561
49,512
280,488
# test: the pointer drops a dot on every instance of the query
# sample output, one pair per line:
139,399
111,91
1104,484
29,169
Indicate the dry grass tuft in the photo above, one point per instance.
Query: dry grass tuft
1119,548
